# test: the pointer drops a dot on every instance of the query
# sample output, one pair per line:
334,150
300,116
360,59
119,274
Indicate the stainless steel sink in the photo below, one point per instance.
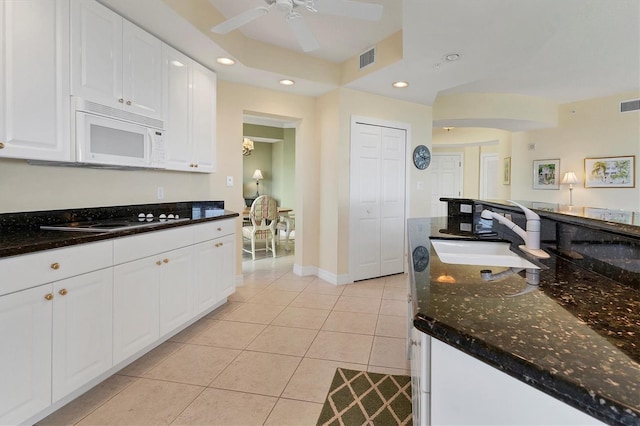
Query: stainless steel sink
473,252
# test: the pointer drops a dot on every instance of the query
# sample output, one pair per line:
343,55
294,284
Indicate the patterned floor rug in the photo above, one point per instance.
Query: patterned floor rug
361,398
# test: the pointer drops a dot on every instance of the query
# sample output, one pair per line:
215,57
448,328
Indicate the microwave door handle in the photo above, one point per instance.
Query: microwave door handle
150,147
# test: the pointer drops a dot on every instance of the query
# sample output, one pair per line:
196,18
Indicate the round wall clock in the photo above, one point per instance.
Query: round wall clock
421,157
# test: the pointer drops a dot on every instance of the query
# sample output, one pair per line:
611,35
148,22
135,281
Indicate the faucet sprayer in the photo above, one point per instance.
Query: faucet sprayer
531,236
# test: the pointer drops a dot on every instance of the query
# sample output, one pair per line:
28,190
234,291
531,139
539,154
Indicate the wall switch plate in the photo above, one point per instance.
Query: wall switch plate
160,193
229,180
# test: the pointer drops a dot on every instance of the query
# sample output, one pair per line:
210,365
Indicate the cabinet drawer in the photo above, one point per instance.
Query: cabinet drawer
215,229
138,246
21,272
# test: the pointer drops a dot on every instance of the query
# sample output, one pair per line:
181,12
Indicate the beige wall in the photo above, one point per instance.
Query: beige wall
472,142
236,99
261,158
334,124
591,128
24,187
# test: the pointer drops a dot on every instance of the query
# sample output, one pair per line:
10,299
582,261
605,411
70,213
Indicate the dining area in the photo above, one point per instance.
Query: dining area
267,227
268,219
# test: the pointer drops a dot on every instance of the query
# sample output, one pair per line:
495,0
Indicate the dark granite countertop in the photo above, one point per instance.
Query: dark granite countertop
20,233
575,336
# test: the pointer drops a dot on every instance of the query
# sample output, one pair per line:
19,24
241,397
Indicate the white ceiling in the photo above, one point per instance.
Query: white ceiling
340,38
562,50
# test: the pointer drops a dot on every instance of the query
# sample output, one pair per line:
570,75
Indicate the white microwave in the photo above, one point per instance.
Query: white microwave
105,137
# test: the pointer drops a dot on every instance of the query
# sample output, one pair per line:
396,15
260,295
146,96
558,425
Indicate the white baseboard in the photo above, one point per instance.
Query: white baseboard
239,280
305,271
334,279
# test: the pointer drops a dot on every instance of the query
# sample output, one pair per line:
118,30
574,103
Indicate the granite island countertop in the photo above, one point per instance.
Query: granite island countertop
20,233
575,336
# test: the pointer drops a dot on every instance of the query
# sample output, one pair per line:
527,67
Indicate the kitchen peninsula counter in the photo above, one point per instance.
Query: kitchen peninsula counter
575,336
20,233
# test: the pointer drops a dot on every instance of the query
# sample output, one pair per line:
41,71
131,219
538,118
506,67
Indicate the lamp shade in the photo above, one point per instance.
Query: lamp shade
569,177
257,174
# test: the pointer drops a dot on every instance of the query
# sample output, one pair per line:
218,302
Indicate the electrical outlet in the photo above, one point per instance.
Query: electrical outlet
229,180
160,193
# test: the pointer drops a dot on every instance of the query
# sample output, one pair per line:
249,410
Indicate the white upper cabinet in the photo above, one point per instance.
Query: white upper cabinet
34,80
113,62
204,119
190,113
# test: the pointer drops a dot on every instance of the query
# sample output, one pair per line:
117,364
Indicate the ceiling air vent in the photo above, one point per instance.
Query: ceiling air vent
367,58
628,106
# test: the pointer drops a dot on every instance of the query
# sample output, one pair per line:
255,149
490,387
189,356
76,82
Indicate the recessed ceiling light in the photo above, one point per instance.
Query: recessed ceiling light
287,82
452,57
225,61
177,63
400,84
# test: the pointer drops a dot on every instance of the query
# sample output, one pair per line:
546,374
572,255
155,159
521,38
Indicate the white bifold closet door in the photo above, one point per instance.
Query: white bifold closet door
377,199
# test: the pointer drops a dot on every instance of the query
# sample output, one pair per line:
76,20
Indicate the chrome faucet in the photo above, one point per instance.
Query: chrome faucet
531,236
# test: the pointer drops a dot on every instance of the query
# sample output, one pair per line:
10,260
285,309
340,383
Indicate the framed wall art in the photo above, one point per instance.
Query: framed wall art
506,171
610,172
545,174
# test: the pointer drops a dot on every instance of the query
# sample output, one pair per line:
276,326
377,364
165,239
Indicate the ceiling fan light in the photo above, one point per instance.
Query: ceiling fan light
284,5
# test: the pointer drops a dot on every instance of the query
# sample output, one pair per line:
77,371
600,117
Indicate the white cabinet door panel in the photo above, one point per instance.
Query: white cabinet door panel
177,72
176,289
82,333
96,40
135,306
204,288
465,390
204,119
225,259
25,354
142,71
34,80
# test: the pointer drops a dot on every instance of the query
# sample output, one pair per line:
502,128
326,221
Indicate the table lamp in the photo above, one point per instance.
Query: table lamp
570,178
257,175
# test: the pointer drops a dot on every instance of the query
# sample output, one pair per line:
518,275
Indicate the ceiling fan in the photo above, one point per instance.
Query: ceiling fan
303,34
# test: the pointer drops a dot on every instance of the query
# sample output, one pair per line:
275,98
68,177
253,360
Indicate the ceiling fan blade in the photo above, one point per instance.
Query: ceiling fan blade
350,9
302,32
239,20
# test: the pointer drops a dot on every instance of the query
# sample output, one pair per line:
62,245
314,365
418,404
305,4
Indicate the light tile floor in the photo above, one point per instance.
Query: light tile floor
267,357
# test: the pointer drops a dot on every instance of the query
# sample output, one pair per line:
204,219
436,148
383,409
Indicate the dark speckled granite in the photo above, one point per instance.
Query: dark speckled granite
20,232
574,337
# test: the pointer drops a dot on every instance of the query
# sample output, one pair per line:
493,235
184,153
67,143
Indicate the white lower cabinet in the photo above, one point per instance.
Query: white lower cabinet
214,278
82,336
452,388
25,353
55,338
419,354
70,315
176,288
136,306
225,256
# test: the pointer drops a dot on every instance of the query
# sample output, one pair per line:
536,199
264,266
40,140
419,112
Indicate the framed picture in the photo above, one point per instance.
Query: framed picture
506,171
618,216
610,172
545,174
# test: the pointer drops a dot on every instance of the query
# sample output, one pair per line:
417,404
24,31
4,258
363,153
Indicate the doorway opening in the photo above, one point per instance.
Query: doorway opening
269,169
